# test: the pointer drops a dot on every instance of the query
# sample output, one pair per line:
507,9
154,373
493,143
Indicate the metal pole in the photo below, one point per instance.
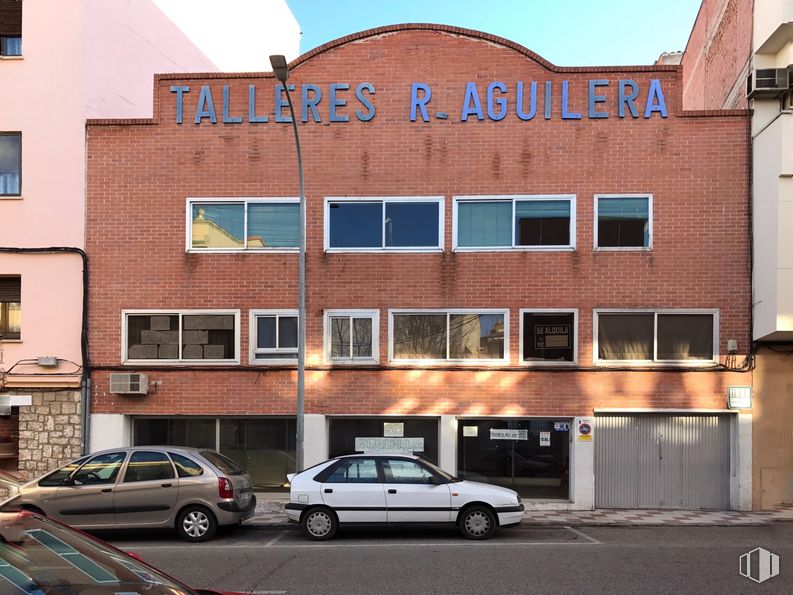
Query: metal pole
301,300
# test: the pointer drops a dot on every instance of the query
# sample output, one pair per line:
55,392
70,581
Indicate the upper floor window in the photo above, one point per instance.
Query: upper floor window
10,163
464,336
10,27
663,336
549,336
351,336
273,336
188,336
400,223
623,222
243,224
514,222
10,307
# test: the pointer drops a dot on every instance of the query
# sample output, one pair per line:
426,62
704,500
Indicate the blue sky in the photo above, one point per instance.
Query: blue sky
565,32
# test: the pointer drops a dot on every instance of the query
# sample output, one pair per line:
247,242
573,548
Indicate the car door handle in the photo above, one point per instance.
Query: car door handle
328,490
392,491
166,485
107,490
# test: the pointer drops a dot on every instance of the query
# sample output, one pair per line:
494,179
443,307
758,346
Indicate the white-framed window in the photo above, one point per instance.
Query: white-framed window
463,336
662,337
273,337
180,336
269,224
384,224
521,222
352,336
548,336
623,221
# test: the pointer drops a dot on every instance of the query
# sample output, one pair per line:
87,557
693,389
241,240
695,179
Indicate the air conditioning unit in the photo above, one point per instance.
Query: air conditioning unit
767,83
129,384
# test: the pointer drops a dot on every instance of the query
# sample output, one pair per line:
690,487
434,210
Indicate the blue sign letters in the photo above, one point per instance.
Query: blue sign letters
500,100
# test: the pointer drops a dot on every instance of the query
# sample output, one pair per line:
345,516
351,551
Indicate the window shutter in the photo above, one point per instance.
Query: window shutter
11,17
10,289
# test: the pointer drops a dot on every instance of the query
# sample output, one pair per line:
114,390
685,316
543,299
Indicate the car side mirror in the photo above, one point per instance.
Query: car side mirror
433,480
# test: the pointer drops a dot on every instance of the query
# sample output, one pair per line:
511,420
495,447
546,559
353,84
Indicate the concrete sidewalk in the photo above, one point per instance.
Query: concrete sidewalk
270,513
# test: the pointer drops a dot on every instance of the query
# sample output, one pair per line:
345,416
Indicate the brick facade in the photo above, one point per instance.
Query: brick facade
695,165
718,54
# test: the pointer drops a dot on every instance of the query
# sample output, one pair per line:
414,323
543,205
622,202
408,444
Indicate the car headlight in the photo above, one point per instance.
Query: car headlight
517,497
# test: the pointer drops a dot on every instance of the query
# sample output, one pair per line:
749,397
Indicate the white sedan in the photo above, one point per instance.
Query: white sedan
395,490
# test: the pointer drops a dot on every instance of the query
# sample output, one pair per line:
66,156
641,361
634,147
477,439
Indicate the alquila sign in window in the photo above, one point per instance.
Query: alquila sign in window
496,101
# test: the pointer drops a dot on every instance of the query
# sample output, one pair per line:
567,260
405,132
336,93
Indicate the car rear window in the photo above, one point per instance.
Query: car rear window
225,464
186,467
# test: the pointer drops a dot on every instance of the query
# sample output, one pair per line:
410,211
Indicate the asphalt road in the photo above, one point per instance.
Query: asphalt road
518,560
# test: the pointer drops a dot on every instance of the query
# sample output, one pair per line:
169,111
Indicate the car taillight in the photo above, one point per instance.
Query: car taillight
225,489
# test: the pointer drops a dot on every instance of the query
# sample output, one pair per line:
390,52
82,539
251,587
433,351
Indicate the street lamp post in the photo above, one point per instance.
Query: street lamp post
281,71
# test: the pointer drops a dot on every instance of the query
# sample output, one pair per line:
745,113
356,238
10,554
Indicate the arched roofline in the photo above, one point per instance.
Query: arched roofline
473,34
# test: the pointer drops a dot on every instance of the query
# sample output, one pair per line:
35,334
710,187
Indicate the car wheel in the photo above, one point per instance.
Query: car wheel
477,522
196,523
34,509
320,524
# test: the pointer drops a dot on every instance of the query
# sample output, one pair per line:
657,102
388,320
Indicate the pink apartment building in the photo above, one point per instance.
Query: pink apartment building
59,67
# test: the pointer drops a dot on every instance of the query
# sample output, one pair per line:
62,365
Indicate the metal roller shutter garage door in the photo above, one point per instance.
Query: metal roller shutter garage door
651,460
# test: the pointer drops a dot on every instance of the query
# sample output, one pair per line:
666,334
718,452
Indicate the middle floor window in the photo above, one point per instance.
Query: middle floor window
514,222
398,223
449,335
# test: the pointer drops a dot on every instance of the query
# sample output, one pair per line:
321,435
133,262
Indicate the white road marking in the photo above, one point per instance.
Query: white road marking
270,543
591,540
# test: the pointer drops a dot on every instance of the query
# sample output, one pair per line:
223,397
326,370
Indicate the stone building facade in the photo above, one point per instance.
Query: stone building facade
50,431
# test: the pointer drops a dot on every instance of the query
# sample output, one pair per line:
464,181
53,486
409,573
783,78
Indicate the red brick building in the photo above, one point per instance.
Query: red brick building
493,243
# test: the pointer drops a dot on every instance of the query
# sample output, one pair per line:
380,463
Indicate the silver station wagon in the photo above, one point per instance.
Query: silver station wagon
189,489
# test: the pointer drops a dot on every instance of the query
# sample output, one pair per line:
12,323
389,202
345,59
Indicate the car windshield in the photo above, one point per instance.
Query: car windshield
40,556
439,471
225,464
57,477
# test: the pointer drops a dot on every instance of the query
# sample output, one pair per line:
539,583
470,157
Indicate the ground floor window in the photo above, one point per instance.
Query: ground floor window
531,456
264,446
344,431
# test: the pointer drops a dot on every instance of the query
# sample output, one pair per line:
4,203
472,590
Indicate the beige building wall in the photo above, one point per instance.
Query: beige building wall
772,464
772,205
